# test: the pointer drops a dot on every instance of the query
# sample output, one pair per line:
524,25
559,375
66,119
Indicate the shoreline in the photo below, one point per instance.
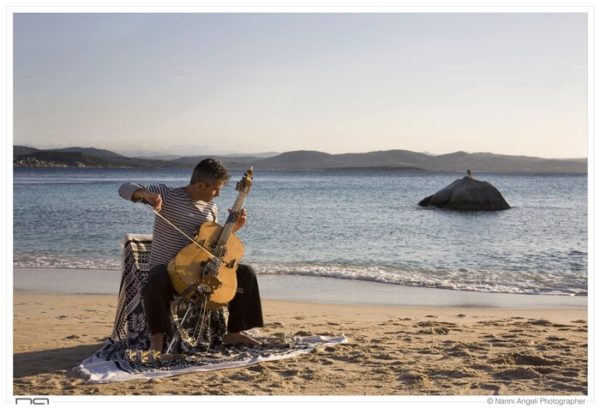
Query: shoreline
301,289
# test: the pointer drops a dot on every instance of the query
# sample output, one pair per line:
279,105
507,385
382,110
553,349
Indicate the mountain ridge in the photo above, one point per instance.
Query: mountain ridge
305,160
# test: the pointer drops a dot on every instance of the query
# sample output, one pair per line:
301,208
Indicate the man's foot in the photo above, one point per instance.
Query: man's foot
239,338
156,342
163,358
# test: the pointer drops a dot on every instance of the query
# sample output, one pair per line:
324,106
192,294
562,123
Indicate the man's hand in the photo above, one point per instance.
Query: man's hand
155,200
241,220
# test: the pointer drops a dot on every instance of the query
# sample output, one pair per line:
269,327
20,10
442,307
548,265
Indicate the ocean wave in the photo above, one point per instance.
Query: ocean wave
516,282
42,261
485,281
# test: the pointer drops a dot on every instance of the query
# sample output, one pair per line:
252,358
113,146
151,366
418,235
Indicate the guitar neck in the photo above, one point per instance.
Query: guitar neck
233,216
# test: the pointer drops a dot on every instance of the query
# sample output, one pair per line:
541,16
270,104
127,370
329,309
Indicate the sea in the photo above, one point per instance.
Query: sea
342,224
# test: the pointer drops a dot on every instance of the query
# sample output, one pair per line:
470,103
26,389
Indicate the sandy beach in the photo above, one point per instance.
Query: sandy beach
391,350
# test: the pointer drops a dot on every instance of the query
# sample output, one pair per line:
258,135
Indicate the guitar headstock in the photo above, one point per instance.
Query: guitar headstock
244,185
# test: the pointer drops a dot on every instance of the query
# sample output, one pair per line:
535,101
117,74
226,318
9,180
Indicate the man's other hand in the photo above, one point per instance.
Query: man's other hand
241,220
155,200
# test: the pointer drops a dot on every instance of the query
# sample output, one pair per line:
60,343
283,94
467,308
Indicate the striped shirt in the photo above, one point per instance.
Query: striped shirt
177,207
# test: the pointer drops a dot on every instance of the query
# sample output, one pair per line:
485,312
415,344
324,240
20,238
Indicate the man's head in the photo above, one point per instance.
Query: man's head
208,178
208,171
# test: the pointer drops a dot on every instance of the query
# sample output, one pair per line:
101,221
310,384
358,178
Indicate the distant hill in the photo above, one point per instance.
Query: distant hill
313,160
303,160
158,157
23,150
237,161
91,151
458,161
490,162
297,160
78,157
60,159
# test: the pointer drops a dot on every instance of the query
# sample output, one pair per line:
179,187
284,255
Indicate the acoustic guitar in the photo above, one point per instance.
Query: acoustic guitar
208,265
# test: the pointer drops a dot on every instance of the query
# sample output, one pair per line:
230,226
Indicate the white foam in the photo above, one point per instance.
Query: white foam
44,261
517,282
494,282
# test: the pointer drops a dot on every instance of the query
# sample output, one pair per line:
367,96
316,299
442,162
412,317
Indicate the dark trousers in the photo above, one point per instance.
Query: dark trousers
245,311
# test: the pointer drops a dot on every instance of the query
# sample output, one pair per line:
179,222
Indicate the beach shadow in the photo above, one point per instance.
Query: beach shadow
49,361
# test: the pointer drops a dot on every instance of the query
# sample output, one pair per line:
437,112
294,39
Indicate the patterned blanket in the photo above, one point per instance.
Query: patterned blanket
197,345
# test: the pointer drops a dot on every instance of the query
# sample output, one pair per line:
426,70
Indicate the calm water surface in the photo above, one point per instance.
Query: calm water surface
355,225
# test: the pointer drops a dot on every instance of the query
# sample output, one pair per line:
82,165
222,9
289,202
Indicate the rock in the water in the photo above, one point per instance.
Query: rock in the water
467,194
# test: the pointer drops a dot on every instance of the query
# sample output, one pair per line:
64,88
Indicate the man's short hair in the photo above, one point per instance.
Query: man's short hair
209,171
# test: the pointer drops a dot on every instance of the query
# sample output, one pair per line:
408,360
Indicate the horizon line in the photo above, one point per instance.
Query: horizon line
119,151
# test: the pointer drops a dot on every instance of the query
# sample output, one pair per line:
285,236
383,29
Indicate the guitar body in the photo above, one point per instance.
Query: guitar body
189,265
208,264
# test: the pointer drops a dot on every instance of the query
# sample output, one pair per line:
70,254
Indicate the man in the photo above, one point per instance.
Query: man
187,208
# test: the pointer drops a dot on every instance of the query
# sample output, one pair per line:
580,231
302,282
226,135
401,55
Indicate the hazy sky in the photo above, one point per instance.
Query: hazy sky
227,83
